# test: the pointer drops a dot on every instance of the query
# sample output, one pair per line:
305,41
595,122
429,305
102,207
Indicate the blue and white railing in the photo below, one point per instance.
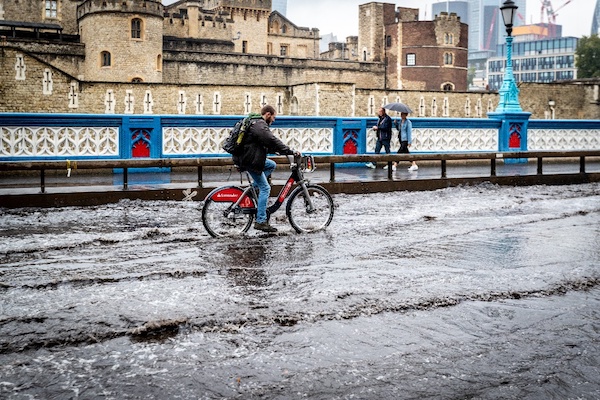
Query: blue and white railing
90,136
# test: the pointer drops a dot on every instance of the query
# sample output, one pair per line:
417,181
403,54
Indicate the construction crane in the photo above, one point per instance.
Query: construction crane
492,26
491,31
551,14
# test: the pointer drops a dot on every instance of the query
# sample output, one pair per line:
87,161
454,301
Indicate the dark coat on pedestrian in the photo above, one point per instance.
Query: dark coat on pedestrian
258,144
384,127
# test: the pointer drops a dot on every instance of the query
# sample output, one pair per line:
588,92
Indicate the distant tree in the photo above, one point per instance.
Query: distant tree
470,76
588,57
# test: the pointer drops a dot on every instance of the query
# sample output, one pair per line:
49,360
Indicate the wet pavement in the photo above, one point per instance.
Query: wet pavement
479,292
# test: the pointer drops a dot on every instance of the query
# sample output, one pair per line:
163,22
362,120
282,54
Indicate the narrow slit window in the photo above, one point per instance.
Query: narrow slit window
105,59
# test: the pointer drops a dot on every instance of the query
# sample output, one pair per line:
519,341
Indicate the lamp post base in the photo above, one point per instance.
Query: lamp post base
512,135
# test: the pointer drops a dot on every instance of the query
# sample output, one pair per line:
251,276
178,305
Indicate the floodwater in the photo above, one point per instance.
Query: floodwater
481,292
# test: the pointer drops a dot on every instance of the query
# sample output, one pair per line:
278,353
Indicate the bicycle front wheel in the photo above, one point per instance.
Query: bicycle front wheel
220,218
313,215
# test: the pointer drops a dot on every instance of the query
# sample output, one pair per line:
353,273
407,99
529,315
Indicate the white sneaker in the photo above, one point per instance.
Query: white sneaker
370,165
413,168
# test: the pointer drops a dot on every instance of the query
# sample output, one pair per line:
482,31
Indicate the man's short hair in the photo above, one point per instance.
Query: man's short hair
267,109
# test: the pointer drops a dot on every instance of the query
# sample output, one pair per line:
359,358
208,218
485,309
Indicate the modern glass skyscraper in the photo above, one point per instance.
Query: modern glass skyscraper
281,6
596,19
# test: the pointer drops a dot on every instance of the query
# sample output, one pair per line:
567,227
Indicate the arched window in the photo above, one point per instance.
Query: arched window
448,59
159,62
449,38
448,87
294,106
136,28
284,28
275,27
105,60
137,80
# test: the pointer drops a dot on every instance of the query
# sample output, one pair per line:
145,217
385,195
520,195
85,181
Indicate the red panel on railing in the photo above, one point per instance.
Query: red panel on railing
350,142
140,143
140,149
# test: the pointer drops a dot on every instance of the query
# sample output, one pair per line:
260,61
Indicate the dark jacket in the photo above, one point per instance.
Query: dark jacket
258,144
384,128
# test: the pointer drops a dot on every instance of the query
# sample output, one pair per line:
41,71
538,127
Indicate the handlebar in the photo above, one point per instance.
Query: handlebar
304,162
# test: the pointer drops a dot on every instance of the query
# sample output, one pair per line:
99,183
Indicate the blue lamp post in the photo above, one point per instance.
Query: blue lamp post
512,135
509,93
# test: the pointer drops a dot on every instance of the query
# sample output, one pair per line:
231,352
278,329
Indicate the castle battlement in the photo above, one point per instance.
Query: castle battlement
263,5
204,15
444,16
147,7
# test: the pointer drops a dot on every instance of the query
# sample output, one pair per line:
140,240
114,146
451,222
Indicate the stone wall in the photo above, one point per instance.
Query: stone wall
67,57
30,94
300,42
197,25
250,70
29,89
573,101
252,25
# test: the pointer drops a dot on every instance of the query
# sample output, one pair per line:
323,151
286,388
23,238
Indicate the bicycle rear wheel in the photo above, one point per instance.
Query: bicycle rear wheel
221,219
298,211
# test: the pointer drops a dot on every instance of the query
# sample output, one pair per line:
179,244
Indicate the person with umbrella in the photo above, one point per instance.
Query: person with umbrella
384,134
404,130
405,137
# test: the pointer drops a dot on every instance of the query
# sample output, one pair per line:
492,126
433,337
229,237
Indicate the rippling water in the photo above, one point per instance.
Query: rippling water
478,292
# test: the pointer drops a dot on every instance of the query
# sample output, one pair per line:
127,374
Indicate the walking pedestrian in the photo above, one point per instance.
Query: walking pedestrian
384,134
405,137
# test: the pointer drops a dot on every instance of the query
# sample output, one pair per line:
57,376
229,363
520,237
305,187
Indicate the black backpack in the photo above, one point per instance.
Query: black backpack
234,144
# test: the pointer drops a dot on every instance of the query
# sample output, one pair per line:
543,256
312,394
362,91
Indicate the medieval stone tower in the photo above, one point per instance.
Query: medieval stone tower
373,18
123,40
251,20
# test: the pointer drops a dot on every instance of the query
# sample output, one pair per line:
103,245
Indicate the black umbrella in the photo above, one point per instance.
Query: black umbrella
400,107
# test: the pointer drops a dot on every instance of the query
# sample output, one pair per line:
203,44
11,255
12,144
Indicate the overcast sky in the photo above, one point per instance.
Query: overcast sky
340,17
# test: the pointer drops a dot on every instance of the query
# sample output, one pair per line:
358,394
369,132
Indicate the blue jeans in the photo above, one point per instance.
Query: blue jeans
385,144
261,182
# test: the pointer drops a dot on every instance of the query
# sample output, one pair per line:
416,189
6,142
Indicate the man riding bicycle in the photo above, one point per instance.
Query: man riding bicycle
259,142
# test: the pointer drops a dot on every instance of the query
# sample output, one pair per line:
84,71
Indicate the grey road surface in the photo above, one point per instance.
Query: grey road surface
480,292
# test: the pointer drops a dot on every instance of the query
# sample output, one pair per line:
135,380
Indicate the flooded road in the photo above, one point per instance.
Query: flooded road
481,292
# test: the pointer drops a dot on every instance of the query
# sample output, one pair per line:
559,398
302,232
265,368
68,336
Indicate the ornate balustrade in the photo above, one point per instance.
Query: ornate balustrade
86,136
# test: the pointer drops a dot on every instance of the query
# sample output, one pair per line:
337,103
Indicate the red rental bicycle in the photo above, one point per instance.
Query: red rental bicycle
230,210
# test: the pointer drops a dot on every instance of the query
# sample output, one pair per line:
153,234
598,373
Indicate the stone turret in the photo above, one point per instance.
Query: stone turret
123,40
251,19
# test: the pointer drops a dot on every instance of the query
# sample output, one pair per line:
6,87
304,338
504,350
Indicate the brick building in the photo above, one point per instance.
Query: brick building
421,55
